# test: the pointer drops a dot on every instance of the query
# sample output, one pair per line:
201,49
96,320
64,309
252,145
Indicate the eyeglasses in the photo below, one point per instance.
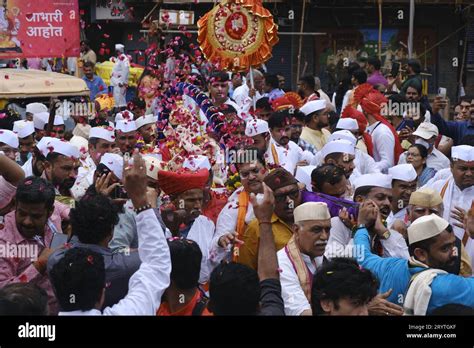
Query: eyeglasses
292,195
296,126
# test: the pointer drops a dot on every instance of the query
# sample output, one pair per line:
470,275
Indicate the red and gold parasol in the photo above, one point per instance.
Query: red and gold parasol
237,34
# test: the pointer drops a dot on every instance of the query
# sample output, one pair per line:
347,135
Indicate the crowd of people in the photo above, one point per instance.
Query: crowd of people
220,193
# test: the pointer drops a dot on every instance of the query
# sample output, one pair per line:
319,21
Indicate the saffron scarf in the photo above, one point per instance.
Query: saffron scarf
304,275
242,212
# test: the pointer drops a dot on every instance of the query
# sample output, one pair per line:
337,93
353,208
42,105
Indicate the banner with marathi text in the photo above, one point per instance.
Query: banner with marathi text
39,28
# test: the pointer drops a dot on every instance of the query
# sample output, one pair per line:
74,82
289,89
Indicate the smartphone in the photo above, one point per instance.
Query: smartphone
442,92
59,239
119,192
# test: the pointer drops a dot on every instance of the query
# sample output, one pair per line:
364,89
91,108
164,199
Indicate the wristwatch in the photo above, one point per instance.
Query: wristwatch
386,234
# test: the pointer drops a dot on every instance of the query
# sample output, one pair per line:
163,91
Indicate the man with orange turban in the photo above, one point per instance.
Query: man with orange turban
183,216
386,145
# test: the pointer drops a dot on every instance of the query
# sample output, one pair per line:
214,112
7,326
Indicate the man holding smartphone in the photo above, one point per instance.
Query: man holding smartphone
101,141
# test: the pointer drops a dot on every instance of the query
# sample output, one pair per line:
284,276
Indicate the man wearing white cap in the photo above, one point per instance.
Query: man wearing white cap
258,130
40,121
426,135
384,241
297,123
60,168
146,126
458,190
9,143
119,76
364,163
341,153
126,136
303,254
351,125
281,151
404,179
314,132
34,108
432,242
101,141
26,137
426,201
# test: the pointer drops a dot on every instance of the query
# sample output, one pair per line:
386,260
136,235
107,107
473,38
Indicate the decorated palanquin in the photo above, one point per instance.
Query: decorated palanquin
237,34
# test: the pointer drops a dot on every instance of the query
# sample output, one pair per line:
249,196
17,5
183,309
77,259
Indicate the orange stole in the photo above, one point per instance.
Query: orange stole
243,206
275,155
304,275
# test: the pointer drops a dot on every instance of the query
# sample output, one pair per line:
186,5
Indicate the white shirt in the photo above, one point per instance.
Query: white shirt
120,71
293,295
202,232
442,174
384,143
341,244
454,197
28,167
147,285
227,219
398,216
85,178
287,156
436,160
241,97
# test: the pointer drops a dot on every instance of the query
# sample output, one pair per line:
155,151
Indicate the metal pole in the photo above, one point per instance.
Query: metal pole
380,30
410,29
300,45
283,33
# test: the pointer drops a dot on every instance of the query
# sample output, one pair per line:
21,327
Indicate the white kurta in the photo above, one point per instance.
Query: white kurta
202,232
384,143
28,167
120,73
397,216
341,244
241,97
440,175
147,285
288,156
85,178
293,295
454,197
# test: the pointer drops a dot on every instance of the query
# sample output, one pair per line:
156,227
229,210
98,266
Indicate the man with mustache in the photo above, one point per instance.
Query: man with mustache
303,255
146,126
26,137
61,167
317,118
431,248
238,212
384,242
404,179
29,228
183,216
457,191
126,135
101,141
281,151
